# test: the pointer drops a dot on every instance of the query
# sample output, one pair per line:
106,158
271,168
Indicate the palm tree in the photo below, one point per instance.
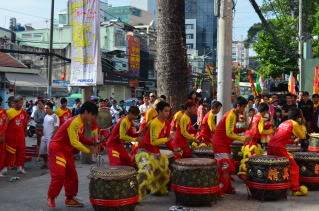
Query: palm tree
173,75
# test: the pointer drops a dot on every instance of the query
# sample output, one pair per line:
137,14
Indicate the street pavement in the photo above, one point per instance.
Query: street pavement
29,194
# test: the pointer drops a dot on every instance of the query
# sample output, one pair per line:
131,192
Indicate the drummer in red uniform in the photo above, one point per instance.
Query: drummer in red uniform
68,139
208,125
123,132
3,127
258,128
185,131
224,135
63,112
15,137
293,127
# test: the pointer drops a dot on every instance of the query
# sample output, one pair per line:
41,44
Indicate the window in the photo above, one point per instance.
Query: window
38,35
26,35
189,36
189,26
189,46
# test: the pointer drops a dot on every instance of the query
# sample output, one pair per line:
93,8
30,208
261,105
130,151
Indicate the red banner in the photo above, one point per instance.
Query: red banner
250,76
316,81
134,55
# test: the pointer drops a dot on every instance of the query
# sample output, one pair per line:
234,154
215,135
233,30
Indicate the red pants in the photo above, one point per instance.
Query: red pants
225,169
62,171
14,153
118,156
2,154
294,168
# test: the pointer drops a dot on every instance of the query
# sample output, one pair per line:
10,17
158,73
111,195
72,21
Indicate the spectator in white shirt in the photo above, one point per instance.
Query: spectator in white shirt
115,110
152,99
144,107
50,125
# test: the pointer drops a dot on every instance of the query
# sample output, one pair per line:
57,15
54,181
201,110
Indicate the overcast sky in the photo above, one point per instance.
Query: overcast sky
37,12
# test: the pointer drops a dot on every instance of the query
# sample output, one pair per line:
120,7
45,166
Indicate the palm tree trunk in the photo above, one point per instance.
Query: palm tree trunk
173,75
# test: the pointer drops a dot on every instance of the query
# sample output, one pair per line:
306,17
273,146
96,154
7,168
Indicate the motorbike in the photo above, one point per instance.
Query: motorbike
31,128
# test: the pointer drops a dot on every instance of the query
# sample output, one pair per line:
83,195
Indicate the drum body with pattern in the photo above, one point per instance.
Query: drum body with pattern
314,143
203,152
195,181
308,163
293,148
268,177
113,189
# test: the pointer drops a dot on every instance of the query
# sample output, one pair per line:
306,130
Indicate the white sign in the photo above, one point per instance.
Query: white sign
86,69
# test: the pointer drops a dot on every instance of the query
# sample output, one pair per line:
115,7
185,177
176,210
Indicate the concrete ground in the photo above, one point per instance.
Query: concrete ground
29,194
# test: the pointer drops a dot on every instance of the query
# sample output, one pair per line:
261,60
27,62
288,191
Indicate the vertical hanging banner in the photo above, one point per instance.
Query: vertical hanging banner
316,81
134,55
86,69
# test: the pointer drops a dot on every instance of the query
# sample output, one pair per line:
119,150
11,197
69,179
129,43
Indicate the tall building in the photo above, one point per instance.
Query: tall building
147,5
240,54
127,14
204,31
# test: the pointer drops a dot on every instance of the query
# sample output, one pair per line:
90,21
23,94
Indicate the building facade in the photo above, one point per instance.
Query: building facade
147,5
240,54
205,28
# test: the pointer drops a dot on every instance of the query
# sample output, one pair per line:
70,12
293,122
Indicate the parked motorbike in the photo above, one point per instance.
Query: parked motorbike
31,128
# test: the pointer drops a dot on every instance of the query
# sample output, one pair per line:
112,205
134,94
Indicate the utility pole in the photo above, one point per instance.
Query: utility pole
224,55
49,89
300,47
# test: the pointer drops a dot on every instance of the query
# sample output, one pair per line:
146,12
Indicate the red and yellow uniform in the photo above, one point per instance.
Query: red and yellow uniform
64,114
185,133
277,147
15,137
258,129
122,132
207,128
61,157
148,117
224,135
156,134
3,127
175,121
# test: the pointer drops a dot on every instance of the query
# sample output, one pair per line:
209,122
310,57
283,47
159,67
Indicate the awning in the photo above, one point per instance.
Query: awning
26,80
57,46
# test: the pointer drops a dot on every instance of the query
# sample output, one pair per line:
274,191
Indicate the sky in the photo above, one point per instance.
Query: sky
37,13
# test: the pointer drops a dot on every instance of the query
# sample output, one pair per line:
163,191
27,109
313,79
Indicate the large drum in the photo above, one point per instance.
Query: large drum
293,148
236,150
203,152
113,189
308,163
195,181
314,142
268,177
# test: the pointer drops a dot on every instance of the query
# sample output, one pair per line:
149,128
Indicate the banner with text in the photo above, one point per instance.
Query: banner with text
134,55
86,69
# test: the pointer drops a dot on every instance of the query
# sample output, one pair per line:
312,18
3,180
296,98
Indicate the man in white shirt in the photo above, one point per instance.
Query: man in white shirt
143,108
115,110
50,125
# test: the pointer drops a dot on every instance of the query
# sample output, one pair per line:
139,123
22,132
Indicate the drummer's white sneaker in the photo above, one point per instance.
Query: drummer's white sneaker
4,172
21,170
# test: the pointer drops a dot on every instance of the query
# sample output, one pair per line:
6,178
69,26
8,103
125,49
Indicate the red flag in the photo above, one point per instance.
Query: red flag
316,81
292,84
250,76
